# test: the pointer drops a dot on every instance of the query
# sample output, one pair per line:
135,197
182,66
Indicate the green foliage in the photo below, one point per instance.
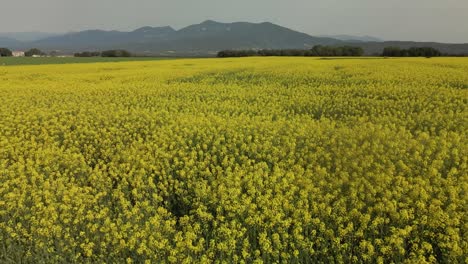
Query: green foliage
12,61
88,54
34,52
331,51
322,51
4,52
116,53
253,160
412,52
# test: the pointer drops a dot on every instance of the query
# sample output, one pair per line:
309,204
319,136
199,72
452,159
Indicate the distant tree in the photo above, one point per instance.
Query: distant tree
224,54
4,52
266,52
415,52
341,51
116,53
404,53
354,51
33,52
392,52
411,52
237,53
315,51
54,53
88,54
430,52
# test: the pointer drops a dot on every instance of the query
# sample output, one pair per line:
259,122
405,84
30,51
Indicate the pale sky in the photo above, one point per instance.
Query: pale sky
419,20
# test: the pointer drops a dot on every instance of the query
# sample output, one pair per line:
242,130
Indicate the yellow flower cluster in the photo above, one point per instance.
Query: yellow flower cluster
253,160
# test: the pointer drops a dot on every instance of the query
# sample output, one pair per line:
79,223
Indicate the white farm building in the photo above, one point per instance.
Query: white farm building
18,53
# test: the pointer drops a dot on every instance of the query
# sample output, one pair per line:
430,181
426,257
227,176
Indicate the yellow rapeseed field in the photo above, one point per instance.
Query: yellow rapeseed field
253,160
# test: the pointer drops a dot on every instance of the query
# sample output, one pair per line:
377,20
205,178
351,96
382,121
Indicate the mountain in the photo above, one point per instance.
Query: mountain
152,33
6,42
351,38
265,34
201,39
207,38
101,39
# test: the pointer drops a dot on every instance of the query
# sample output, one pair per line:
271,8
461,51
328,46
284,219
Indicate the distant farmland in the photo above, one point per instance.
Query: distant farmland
10,61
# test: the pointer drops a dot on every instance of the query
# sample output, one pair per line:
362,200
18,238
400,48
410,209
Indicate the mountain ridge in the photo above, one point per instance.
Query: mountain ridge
205,38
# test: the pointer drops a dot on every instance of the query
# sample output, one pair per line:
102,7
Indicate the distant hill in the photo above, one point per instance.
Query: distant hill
205,39
201,39
102,39
6,42
210,37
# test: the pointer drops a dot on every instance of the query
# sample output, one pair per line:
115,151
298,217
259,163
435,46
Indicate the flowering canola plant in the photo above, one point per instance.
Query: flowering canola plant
252,160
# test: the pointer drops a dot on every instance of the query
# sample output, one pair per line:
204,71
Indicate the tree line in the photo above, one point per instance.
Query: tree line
319,50
106,53
411,52
34,52
5,52
335,51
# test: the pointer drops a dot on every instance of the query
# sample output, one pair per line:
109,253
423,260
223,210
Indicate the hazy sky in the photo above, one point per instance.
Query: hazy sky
421,20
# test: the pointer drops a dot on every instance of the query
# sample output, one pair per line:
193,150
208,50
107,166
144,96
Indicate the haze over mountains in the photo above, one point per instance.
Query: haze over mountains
204,39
